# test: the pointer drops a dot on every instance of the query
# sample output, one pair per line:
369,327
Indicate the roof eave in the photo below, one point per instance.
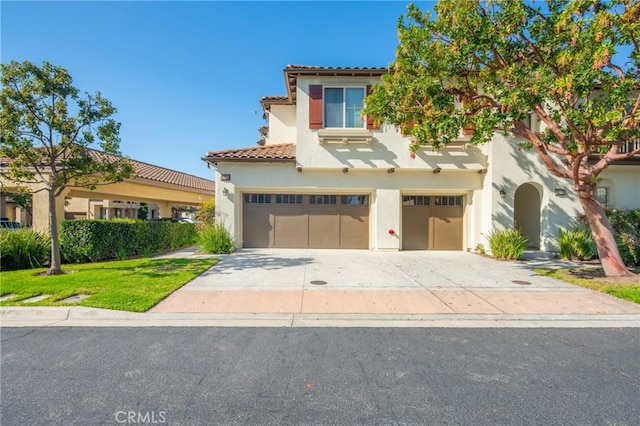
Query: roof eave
291,74
216,160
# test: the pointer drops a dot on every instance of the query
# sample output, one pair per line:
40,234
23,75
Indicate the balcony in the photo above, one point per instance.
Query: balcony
628,147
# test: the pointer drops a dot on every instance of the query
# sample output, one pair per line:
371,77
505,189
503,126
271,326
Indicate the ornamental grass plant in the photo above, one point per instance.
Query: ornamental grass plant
24,249
215,238
507,243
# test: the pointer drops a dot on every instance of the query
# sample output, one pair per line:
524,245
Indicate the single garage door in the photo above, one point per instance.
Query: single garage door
300,221
431,222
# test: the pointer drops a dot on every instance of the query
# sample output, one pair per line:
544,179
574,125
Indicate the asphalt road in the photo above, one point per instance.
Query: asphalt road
259,376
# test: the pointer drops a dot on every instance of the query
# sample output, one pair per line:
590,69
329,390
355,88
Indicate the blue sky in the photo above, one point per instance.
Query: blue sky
187,77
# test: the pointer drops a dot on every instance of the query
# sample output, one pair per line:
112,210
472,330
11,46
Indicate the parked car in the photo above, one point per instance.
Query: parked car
10,225
185,220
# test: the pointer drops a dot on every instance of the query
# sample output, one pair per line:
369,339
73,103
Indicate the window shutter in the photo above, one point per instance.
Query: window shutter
315,106
371,125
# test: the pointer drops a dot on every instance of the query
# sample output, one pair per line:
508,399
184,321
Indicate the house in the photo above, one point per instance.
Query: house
323,177
161,189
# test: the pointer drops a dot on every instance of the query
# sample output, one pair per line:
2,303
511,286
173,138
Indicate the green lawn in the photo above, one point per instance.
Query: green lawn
129,285
625,288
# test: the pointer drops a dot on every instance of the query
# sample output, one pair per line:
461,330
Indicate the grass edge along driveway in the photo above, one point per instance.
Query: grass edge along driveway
593,278
134,285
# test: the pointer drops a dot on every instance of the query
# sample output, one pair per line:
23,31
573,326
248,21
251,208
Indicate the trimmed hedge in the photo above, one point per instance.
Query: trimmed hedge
96,240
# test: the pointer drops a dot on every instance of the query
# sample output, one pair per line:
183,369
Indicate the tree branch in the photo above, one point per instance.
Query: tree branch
541,149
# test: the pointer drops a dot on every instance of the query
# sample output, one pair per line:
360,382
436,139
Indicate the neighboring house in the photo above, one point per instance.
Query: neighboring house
160,188
92,208
323,177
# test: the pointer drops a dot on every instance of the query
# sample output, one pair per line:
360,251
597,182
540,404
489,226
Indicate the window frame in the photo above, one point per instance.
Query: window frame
607,193
323,199
362,119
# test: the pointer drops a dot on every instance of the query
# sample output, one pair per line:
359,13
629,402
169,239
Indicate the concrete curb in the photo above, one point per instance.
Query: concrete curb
90,317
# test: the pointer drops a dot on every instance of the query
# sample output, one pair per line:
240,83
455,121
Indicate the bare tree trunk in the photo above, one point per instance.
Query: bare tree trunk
603,236
55,268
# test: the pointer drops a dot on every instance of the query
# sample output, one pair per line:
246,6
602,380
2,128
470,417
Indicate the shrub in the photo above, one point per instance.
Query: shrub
96,240
507,243
24,249
576,244
215,238
626,228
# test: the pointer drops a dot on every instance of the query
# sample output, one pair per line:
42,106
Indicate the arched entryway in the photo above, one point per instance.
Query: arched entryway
526,213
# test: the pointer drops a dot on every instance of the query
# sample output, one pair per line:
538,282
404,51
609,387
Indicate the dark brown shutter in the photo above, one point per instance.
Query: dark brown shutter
315,106
371,125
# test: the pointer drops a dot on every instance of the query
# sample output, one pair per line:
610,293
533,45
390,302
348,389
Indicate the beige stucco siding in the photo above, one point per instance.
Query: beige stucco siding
282,124
385,189
624,184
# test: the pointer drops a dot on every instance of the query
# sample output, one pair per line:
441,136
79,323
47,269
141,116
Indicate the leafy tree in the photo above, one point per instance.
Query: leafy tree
485,65
207,211
47,145
24,200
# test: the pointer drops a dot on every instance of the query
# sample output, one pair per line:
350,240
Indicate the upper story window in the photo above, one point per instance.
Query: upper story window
338,108
342,107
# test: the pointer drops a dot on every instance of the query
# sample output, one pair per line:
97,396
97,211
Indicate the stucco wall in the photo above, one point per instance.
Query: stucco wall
282,124
388,149
479,173
386,190
511,167
624,184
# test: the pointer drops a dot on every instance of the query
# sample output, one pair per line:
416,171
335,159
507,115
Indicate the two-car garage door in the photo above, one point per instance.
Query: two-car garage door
302,220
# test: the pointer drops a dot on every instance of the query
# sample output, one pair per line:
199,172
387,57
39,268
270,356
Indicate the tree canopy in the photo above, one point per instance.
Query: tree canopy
490,65
47,131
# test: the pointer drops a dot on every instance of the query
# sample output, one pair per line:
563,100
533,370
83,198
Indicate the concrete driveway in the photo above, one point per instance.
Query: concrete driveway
312,281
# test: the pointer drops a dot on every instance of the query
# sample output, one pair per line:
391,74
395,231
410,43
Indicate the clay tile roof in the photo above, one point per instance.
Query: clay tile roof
340,70
274,98
160,174
292,72
150,172
164,175
267,101
276,152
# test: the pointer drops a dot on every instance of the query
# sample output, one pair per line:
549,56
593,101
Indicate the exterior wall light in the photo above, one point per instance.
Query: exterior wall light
502,193
225,192
560,192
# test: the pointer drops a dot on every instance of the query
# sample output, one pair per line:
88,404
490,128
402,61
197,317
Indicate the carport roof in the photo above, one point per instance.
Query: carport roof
285,152
150,172
164,175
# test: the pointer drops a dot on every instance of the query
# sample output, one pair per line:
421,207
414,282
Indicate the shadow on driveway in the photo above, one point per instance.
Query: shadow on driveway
245,259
